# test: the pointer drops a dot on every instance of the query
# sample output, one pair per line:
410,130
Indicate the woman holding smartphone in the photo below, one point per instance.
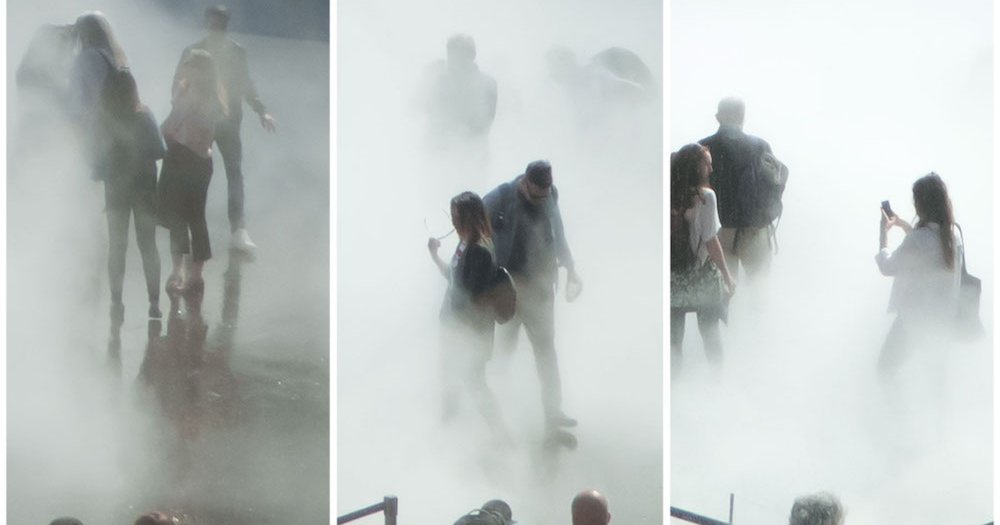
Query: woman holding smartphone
926,269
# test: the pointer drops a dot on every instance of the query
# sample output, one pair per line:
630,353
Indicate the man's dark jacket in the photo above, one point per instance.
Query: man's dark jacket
735,156
235,76
502,208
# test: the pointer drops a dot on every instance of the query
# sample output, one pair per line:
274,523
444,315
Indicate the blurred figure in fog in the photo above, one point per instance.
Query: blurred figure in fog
927,273
746,235
154,518
699,276
531,244
43,74
132,146
66,521
100,54
612,80
590,508
461,100
468,322
199,102
231,61
493,512
817,509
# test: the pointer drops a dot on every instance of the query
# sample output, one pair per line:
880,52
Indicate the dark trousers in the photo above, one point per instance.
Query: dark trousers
708,325
227,137
536,312
183,192
145,237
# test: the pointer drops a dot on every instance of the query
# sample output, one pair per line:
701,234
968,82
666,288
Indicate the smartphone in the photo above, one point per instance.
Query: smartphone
887,209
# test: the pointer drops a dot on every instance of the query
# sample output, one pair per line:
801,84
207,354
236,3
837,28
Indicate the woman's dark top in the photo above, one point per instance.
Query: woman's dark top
472,271
132,146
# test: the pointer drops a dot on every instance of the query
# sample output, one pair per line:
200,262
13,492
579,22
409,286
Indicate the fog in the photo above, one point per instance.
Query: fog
392,181
226,423
859,99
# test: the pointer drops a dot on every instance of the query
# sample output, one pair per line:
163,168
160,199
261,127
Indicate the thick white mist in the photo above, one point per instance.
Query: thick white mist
81,440
859,99
390,439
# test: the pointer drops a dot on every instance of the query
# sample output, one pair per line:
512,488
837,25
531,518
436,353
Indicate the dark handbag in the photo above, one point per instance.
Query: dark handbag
968,324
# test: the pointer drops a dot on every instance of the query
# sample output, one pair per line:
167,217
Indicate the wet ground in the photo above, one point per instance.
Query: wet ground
219,411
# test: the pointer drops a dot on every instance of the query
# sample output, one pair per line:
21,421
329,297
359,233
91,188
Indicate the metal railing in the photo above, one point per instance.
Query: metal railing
698,519
389,506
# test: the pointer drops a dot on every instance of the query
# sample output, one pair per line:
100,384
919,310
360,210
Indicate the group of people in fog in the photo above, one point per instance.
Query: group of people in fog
720,221
516,228
83,69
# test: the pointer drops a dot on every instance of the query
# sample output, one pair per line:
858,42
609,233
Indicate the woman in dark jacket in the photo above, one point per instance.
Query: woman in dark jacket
131,147
466,319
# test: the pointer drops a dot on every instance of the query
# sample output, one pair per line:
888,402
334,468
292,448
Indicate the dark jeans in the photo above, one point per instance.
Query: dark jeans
536,311
227,137
183,192
145,237
708,325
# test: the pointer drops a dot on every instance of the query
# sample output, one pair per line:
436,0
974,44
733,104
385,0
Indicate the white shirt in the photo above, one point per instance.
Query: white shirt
923,284
703,221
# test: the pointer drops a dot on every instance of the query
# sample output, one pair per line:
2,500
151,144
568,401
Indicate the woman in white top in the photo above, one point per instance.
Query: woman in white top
699,277
926,269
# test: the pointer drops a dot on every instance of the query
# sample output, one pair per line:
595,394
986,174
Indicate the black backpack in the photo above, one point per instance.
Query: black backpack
682,258
769,179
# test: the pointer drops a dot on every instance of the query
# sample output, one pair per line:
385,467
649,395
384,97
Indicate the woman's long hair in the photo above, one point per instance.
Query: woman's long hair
930,198
470,216
121,97
94,31
199,71
684,179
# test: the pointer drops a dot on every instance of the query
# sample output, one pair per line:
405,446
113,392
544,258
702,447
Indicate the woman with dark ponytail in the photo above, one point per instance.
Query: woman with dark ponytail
926,269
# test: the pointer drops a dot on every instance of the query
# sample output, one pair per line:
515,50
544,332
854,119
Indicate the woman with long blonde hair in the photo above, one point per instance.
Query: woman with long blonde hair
199,102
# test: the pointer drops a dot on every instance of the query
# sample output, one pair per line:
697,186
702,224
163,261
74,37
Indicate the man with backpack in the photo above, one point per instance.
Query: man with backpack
748,181
531,244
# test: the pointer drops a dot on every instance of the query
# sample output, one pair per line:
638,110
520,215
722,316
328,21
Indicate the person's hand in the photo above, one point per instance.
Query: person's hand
432,245
267,122
888,222
574,286
730,286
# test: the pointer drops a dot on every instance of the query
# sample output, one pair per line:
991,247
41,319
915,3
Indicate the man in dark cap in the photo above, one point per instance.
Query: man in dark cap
531,244
231,61
493,512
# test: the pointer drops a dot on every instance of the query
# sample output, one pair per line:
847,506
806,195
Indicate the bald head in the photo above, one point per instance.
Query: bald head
731,112
590,508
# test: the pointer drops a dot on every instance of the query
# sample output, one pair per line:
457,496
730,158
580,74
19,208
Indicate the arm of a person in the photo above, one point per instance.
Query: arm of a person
477,270
432,247
249,88
563,254
152,141
715,253
892,264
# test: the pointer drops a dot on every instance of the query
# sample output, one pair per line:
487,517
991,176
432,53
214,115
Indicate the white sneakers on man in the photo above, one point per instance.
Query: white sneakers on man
241,241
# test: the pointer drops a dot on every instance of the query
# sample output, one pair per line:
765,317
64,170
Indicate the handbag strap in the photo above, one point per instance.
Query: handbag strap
961,249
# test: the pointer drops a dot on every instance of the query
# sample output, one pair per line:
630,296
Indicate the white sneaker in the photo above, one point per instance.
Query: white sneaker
241,241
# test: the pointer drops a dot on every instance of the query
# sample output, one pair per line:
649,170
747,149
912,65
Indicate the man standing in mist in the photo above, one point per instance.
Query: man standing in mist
531,244
231,60
735,156
461,102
